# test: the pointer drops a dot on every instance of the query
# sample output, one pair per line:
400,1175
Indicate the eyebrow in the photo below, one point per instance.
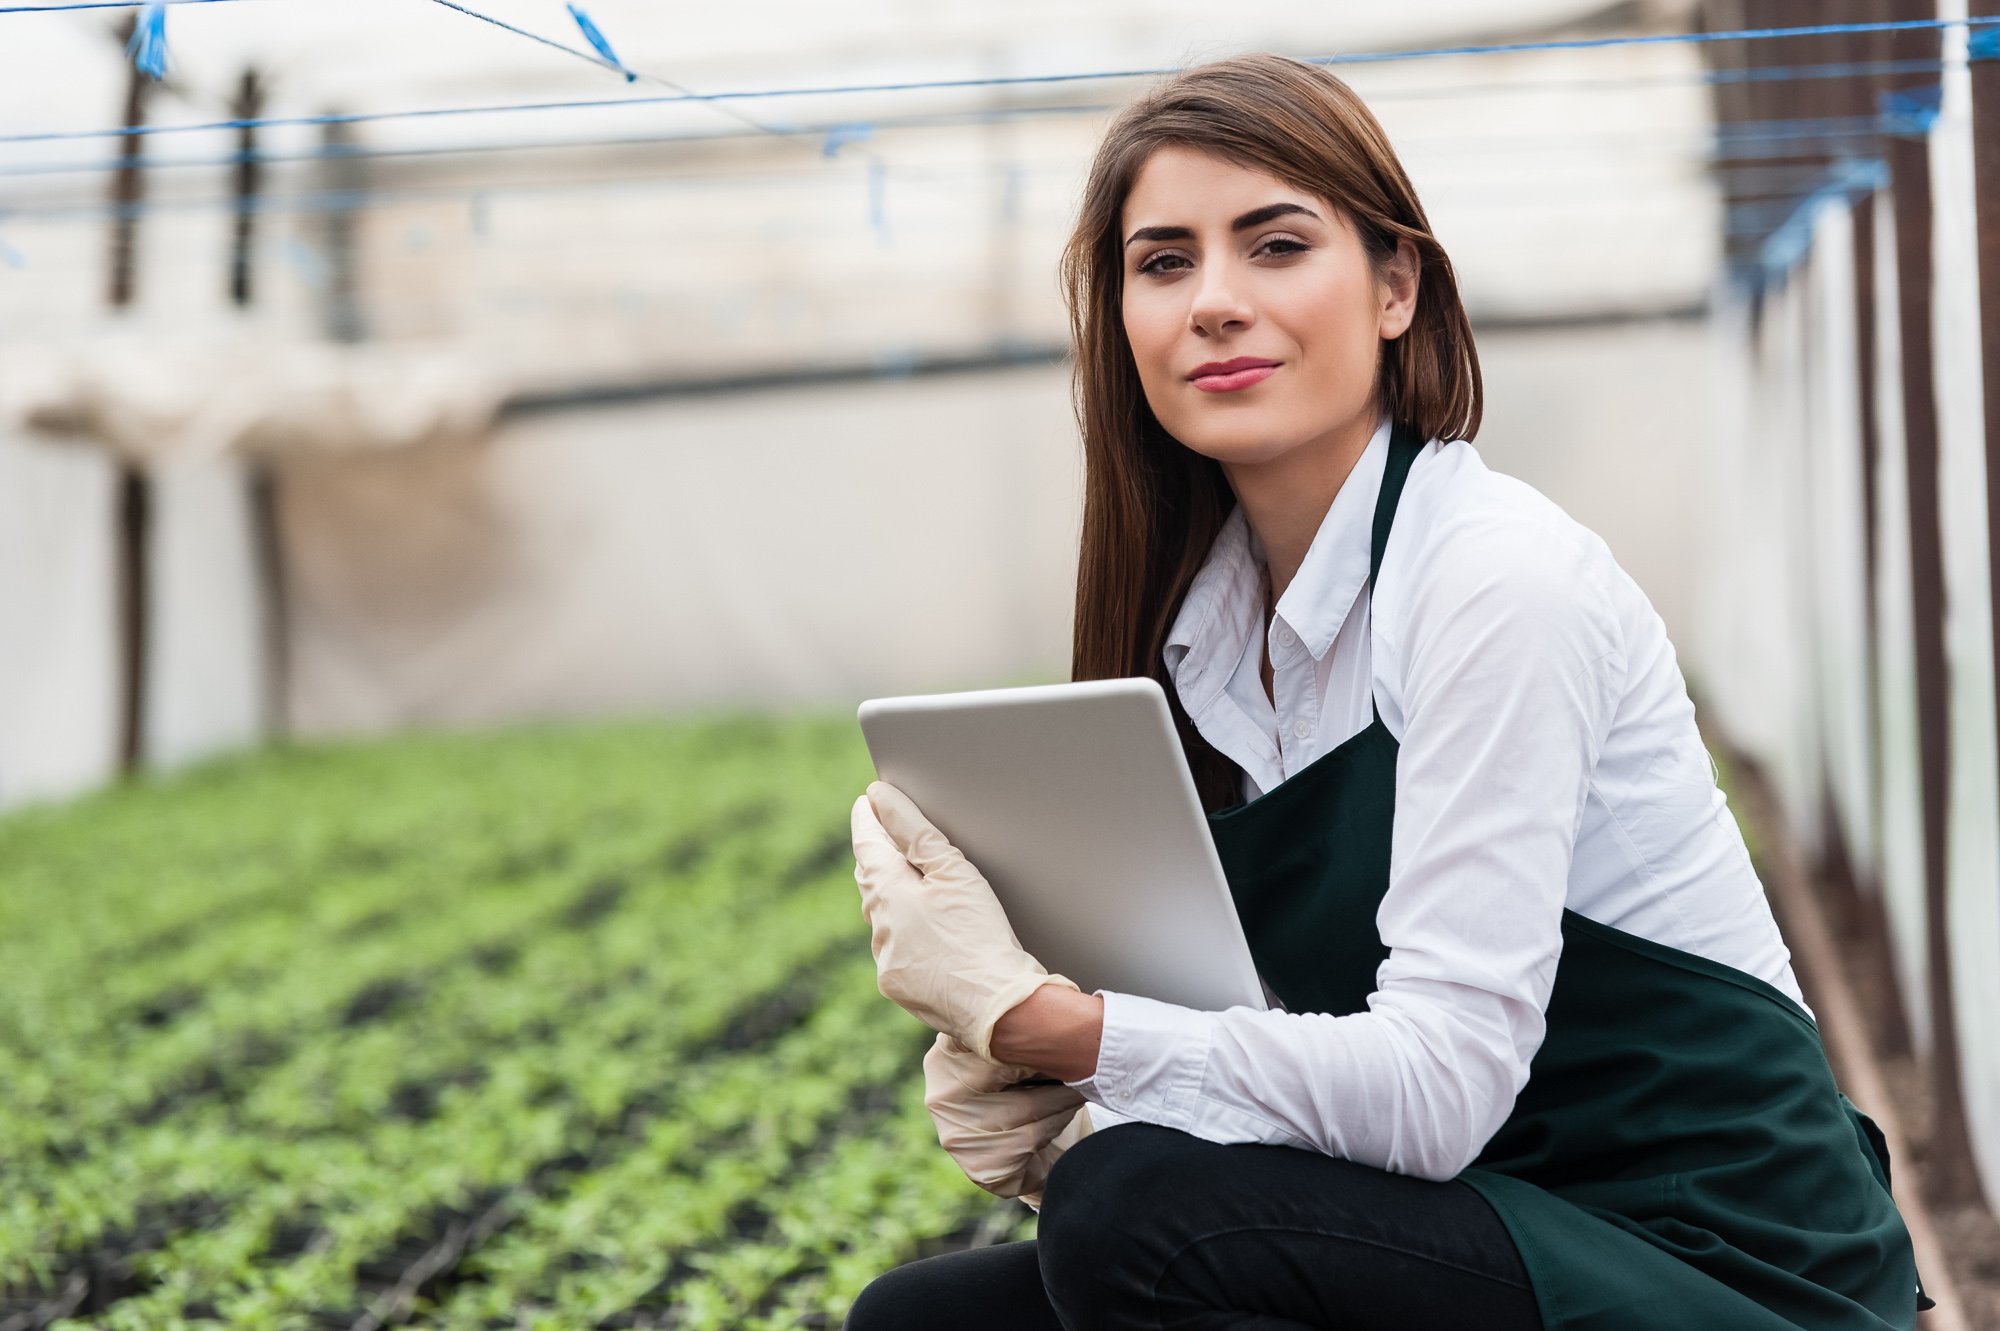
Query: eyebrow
1255,217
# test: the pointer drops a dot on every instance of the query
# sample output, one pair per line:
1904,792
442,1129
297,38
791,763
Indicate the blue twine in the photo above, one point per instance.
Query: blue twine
985,115
1983,44
1587,43
831,90
597,41
1660,39
598,103
148,47
356,150
478,200
1703,78
1746,140
102,4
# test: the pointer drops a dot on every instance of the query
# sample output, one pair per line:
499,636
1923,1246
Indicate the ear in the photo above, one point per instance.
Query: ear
1398,292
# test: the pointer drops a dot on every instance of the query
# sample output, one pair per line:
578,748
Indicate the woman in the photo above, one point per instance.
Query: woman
1541,1060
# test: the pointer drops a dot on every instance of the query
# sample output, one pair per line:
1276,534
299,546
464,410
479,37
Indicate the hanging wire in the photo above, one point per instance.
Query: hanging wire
1000,81
604,61
551,42
1702,78
1664,39
1732,141
481,197
833,134
101,4
830,130
1747,139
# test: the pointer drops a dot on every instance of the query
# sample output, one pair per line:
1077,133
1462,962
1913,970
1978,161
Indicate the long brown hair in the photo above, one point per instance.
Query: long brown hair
1151,506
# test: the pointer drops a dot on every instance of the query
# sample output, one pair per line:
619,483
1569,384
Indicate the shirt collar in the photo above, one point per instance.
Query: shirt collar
1316,602
1223,607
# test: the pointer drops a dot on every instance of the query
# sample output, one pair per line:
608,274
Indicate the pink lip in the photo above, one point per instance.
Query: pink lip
1230,375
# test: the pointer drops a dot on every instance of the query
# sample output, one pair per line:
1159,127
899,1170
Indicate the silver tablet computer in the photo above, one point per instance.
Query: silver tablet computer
1076,803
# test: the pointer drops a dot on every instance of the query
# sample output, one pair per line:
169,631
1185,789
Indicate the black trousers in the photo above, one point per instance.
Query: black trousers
1149,1227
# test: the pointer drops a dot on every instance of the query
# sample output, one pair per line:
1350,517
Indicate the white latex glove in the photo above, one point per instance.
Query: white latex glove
944,951
1005,1137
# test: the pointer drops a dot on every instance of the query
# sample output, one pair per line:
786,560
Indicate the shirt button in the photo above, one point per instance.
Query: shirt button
1285,637
1302,730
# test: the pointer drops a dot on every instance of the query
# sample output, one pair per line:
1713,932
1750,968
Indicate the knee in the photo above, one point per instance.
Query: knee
1112,1173
889,1302
1103,1209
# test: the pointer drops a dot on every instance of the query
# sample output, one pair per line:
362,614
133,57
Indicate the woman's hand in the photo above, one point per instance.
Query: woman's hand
943,948
1005,1137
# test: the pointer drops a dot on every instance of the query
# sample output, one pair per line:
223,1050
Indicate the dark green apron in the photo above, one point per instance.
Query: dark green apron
1680,1156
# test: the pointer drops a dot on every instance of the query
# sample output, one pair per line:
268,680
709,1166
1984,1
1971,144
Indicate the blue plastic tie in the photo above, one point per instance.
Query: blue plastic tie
597,42
148,47
1983,44
1788,242
1913,111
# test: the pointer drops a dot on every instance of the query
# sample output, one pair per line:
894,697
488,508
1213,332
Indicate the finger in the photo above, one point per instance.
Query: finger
877,862
915,835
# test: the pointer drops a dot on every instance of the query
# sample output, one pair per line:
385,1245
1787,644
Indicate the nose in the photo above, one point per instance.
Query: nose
1216,304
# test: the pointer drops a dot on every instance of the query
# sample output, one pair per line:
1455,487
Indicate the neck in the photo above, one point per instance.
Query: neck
1286,498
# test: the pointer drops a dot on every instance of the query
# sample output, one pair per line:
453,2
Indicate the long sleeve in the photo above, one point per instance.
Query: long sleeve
1509,666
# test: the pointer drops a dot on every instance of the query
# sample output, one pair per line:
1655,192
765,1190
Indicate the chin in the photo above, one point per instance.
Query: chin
1242,443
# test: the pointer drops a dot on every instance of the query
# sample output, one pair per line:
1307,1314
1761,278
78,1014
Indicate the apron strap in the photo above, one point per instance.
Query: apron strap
1403,449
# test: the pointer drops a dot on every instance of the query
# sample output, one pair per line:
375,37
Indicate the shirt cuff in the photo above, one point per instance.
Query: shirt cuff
1151,1060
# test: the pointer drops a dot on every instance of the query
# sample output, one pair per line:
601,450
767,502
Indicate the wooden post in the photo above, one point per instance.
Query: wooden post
262,477
128,184
247,178
134,524
1986,191
1986,222
341,315
1863,915
1948,1165
134,502
1728,100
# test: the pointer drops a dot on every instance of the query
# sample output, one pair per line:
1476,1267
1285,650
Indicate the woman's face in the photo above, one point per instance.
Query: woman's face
1250,307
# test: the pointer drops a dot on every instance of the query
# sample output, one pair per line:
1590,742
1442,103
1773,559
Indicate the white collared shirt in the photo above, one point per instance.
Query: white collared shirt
1548,759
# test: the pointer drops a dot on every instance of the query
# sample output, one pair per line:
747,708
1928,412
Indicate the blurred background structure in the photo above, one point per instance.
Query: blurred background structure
399,365
699,370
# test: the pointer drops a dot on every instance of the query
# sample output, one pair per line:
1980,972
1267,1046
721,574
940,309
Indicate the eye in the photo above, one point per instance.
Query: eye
1282,245
1158,263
